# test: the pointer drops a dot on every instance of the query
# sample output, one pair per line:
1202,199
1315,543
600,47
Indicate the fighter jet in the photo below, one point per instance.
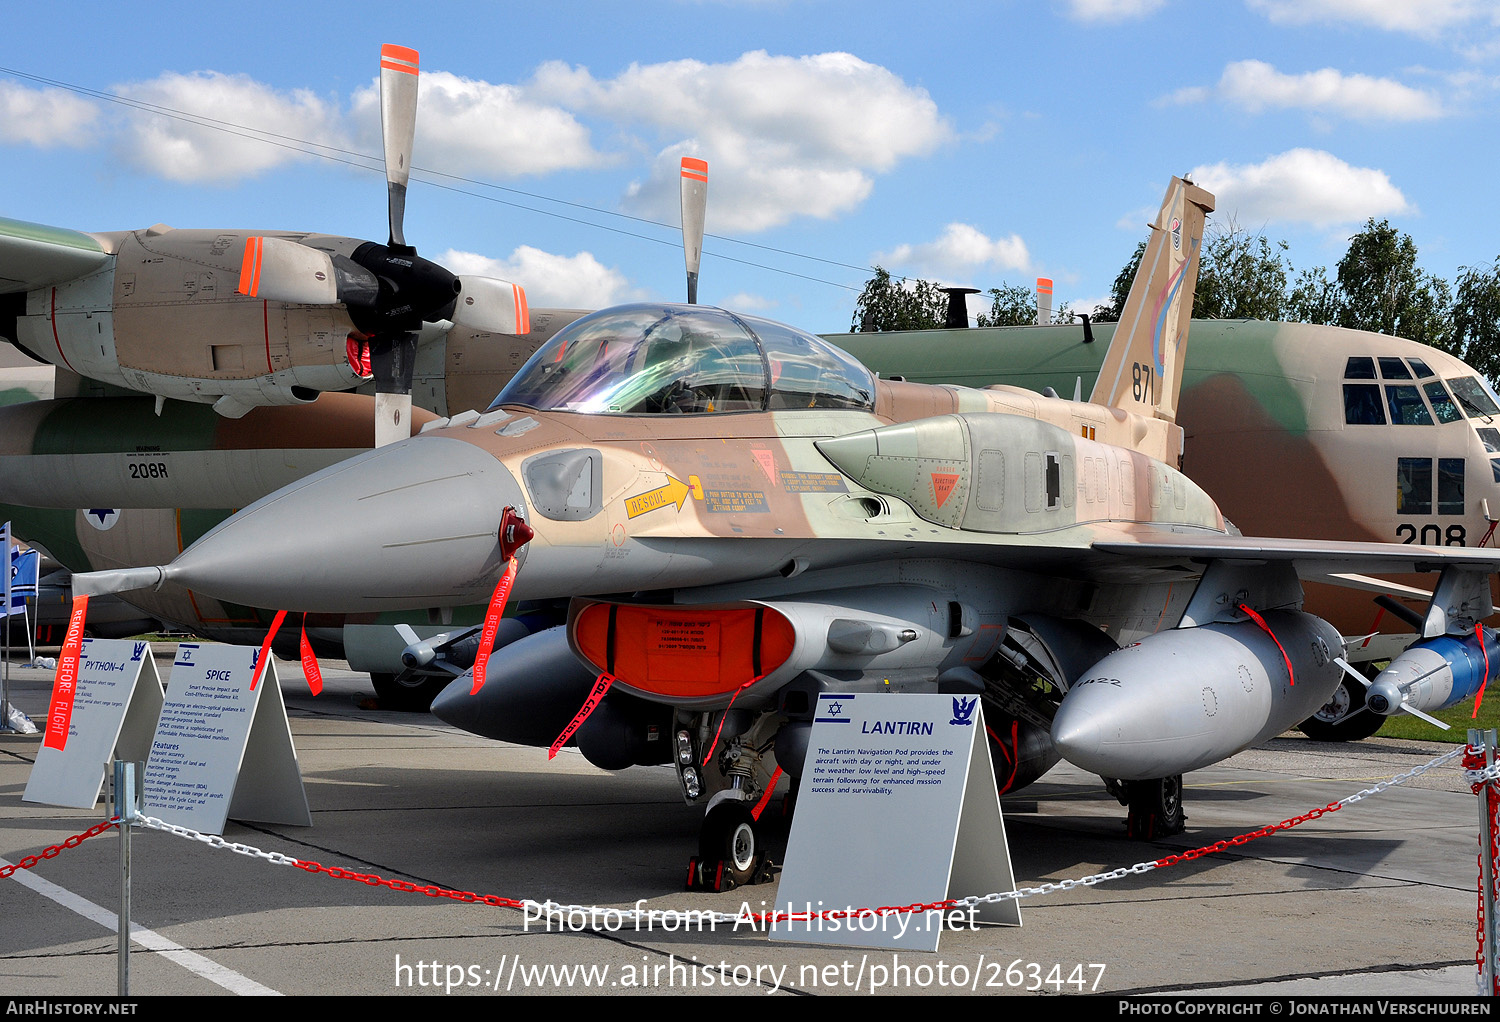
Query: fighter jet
744,517
1299,430
240,319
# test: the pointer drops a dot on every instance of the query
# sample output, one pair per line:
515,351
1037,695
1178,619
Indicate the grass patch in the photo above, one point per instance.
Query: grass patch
1459,718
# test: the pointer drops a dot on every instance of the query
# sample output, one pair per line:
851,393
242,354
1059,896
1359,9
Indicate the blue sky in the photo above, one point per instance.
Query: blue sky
974,143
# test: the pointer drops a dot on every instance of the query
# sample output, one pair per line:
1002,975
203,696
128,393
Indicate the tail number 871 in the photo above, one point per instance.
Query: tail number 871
1143,382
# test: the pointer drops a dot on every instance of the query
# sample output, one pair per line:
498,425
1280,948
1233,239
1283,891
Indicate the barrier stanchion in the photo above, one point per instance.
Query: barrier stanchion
1482,756
127,802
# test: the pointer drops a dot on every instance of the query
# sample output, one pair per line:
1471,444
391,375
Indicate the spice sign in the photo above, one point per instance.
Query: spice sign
876,763
223,750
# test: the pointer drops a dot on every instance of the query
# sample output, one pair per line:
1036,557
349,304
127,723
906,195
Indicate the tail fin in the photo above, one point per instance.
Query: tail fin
1142,370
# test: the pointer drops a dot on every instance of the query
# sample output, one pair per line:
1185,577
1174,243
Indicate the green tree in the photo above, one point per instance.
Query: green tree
1010,305
1016,305
1383,290
1314,298
1241,276
905,304
1476,319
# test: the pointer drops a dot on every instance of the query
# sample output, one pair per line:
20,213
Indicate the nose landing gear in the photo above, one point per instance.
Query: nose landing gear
731,850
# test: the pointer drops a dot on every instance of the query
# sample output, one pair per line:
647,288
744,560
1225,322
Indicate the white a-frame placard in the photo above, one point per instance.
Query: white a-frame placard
115,705
897,807
223,750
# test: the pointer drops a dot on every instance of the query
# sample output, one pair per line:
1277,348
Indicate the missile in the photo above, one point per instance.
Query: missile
1183,699
1435,673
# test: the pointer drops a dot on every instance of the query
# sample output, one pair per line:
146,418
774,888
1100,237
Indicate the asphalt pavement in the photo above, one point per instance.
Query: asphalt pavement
1376,899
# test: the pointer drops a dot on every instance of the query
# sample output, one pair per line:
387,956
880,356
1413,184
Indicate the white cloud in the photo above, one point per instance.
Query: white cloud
744,301
783,136
474,127
1418,17
180,150
550,280
1303,186
1256,85
958,251
45,117
1110,10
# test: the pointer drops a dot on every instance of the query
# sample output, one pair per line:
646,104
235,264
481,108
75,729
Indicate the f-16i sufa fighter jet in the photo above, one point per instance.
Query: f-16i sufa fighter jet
240,319
744,517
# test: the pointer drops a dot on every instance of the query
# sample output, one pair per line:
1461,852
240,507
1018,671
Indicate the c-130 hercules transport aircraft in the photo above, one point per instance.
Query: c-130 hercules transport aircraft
744,517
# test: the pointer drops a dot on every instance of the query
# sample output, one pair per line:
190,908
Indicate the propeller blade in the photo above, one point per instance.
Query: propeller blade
694,204
285,271
398,127
393,360
495,306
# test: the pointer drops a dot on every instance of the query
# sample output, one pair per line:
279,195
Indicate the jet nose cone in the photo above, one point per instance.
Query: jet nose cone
1077,734
411,525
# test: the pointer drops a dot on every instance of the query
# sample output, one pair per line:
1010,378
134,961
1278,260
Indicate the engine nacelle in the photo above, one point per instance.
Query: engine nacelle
1435,673
1189,697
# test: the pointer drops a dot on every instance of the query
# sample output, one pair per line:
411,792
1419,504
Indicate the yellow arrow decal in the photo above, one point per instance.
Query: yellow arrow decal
675,492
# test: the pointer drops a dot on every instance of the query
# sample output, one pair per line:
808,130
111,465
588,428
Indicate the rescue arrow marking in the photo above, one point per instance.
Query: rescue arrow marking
674,492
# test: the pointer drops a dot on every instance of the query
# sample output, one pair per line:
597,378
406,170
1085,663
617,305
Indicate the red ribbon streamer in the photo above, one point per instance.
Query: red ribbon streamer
596,696
492,623
65,683
1267,629
310,668
760,806
1479,697
265,648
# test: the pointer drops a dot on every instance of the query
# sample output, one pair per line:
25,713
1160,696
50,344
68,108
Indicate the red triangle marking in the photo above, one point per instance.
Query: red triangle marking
942,486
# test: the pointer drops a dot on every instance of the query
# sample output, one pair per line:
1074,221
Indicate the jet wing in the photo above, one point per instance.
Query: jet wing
1323,560
35,255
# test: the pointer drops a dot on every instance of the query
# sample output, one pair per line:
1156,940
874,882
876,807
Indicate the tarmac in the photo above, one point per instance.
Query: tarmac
1376,899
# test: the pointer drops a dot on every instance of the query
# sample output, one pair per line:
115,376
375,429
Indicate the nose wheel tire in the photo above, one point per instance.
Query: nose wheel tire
1154,808
731,851
412,696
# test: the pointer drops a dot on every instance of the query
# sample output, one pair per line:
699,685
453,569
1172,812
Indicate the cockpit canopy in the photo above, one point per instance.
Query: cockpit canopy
685,359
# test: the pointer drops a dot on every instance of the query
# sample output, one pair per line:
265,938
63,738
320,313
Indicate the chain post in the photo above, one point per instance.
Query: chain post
127,804
1484,740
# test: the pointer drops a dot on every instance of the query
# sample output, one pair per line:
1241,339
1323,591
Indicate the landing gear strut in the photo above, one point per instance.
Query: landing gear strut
1154,807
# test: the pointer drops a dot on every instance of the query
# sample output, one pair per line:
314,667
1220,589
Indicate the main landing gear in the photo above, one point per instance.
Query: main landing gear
1154,807
1343,718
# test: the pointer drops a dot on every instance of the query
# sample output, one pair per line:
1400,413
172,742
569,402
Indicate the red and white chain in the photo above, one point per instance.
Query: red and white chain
551,909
